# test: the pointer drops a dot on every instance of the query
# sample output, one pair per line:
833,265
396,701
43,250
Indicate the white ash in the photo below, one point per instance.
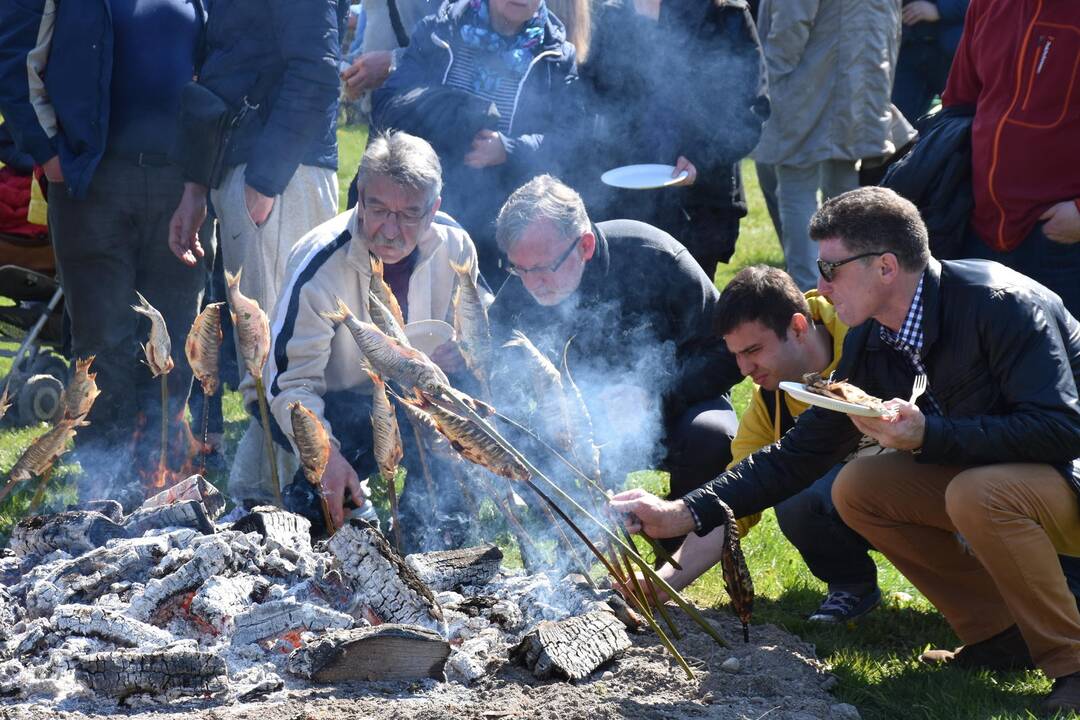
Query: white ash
229,608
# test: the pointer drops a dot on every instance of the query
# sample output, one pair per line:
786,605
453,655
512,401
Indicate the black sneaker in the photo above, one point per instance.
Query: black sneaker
842,607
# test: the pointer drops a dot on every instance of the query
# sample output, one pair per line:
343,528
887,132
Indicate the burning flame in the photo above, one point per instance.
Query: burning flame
184,452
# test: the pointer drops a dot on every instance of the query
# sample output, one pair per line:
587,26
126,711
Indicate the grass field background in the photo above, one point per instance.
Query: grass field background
874,660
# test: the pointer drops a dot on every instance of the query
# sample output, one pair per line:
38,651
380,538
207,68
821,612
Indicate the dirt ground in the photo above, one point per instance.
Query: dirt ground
777,677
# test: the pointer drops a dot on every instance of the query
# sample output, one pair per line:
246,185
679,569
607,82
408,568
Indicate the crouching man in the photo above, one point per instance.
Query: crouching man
628,311
319,364
990,452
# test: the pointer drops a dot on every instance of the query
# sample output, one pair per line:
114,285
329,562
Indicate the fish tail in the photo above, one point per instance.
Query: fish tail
233,281
464,268
340,314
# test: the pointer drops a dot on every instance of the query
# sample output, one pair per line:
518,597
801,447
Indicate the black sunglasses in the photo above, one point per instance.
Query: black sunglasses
522,272
828,269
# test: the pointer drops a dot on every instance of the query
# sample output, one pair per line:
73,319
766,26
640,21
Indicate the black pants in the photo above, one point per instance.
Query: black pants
834,553
108,245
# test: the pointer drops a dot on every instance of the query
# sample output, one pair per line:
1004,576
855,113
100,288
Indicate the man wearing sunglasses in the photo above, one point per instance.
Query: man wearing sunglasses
631,311
318,364
991,450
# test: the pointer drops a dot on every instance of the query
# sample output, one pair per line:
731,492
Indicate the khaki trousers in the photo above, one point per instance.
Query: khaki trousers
1016,518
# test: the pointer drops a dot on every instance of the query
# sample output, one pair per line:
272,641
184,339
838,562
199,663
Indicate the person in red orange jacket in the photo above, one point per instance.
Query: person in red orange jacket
1017,63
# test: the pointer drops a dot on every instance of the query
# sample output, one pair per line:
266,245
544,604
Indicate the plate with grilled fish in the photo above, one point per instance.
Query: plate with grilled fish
837,395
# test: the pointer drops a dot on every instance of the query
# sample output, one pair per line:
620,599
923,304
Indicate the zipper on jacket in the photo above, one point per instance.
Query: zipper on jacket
1042,50
998,241
521,86
445,46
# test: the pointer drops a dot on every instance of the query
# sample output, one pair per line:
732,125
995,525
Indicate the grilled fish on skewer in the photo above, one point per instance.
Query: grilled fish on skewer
471,325
203,347
384,426
547,388
252,326
582,445
387,446
80,393
737,580
390,359
313,449
312,442
44,451
383,292
472,442
384,319
158,348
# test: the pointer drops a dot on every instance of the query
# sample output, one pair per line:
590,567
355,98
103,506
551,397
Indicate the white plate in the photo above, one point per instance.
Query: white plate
642,177
426,335
798,391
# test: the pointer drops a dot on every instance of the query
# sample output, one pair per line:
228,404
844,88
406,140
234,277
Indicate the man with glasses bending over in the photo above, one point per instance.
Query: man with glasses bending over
631,311
990,453
319,364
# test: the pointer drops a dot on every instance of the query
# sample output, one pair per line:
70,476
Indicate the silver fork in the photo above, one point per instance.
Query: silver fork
918,388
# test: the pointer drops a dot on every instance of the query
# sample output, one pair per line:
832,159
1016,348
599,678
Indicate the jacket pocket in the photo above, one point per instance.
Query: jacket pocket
1048,77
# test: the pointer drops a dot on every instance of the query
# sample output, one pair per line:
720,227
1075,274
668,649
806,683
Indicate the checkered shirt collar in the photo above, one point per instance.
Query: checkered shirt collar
910,335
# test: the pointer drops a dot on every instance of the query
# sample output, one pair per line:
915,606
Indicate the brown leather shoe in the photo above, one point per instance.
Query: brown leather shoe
1065,697
1004,651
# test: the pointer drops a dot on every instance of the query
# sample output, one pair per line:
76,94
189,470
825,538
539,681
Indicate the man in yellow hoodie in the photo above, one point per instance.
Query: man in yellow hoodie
778,334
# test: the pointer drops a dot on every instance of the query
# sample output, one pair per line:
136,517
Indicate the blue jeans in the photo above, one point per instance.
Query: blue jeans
835,554
1054,265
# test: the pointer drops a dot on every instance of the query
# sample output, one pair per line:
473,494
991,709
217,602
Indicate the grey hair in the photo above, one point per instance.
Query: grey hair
542,198
405,159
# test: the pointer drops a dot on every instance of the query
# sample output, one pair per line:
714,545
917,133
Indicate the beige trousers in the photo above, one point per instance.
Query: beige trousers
1016,518
310,199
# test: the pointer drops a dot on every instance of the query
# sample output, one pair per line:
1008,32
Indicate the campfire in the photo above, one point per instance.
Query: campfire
169,602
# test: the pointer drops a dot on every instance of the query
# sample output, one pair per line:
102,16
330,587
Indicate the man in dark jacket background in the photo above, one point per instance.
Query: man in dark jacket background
281,179
687,88
91,89
991,451
633,312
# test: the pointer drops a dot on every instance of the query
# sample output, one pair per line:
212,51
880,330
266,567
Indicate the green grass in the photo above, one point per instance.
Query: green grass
874,661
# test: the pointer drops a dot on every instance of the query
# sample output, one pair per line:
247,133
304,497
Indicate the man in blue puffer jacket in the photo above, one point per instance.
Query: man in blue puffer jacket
90,90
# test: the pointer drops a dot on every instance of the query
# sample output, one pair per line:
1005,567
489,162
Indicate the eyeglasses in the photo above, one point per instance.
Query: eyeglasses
828,269
522,272
404,218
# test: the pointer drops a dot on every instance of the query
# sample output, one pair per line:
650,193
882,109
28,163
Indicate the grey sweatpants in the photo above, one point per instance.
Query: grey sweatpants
310,199
796,202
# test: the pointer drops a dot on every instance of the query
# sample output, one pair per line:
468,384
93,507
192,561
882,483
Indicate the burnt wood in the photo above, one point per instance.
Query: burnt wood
120,674
572,648
383,652
74,531
453,569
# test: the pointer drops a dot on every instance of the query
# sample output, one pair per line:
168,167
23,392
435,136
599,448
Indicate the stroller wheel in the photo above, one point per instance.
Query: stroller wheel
39,399
48,364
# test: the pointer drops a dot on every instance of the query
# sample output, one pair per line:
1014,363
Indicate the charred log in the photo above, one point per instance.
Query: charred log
74,531
111,509
193,488
381,580
384,652
120,674
208,560
453,569
572,648
281,616
221,599
109,625
186,514
586,598
286,529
